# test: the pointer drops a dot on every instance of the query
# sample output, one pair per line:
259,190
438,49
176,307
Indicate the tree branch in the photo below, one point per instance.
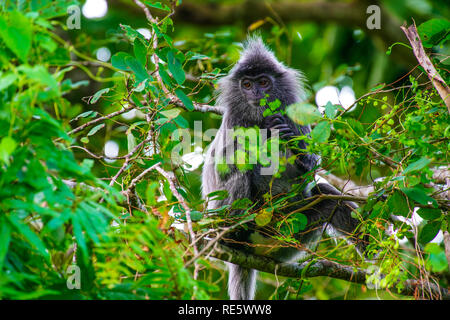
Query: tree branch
425,62
320,268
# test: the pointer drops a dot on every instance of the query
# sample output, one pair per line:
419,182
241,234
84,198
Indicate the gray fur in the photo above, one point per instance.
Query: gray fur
239,112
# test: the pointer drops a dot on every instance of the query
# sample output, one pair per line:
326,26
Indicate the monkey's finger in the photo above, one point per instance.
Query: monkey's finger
273,121
276,116
282,126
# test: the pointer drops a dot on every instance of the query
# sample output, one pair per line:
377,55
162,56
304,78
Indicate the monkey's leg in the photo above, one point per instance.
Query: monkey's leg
336,214
241,282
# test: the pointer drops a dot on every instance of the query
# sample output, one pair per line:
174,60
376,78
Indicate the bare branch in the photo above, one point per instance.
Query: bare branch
425,62
447,246
109,116
171,180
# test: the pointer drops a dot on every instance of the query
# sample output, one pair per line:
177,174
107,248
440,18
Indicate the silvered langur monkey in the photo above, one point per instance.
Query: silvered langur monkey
259,75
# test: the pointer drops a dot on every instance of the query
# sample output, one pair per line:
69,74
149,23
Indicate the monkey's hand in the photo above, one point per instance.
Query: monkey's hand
305,161
278,122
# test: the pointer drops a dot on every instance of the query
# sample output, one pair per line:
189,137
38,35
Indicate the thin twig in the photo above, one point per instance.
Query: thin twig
171,180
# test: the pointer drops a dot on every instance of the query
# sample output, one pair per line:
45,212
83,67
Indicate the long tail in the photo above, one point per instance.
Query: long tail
241,282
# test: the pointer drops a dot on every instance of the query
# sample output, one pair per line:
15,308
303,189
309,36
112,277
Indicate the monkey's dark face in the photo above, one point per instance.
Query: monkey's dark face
255,88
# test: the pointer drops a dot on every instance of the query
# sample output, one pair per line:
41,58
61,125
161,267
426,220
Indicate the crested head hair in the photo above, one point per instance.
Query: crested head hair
257,59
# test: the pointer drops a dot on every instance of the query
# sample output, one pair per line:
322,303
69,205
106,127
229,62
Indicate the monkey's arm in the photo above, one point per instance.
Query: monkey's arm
288,130
220,174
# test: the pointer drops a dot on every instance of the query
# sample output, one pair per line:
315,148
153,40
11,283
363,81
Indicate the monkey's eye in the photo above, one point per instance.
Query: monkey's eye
263,82
246,84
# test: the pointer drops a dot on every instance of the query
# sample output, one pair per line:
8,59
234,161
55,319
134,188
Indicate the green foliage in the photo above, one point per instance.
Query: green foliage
48,222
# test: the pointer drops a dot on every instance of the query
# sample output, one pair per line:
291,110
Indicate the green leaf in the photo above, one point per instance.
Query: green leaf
429,213
98,94
218,195
151,193
356,126
5,237
171,113
398,204
175,68
321,132
418,195
243,203
39,74
79,236
95,129
263,218
294,224
164,75
196,215
429,232
158,5
131,141
140,51
331,110
418,165
16,33
87,114
118,61
303,113
138,69
436,261
185,99
434,31
7,80
31,237
7,147
299,222
181,122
